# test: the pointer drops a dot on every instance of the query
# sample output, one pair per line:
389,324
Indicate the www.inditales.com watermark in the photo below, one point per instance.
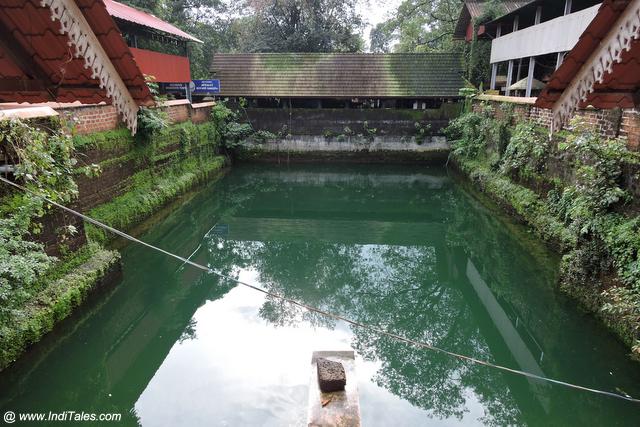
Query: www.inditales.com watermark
11,417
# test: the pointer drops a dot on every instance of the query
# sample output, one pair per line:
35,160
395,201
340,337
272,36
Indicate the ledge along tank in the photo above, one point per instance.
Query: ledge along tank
407,249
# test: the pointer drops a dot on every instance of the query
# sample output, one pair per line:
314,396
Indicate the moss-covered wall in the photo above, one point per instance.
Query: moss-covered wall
577,191
306,121
136,179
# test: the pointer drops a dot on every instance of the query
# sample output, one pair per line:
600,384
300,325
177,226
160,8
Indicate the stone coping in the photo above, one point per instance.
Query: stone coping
27,113
507,99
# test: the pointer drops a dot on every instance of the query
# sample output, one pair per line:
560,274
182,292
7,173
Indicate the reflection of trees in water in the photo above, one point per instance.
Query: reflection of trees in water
396,288
189,332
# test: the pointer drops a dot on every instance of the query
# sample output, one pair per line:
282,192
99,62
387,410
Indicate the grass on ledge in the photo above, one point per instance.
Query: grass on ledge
149,191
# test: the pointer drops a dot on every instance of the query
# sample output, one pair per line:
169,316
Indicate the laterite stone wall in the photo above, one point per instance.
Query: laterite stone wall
624,123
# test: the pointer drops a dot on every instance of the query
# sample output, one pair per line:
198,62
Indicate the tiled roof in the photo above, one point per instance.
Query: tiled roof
619,85
346,75
473,9
130,14
37,57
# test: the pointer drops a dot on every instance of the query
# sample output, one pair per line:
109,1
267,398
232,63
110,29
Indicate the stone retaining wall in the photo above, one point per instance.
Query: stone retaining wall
624,123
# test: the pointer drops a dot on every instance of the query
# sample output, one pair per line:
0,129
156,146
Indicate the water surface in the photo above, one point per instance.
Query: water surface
403,248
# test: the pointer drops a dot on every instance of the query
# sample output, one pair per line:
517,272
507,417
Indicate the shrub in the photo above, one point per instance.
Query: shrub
527,151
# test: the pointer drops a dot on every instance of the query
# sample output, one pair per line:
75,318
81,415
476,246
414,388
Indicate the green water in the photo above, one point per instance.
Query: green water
403,248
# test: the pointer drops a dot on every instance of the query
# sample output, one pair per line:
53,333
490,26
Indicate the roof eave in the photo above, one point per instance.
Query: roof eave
513,12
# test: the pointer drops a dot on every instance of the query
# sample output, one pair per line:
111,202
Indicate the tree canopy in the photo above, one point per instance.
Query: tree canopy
261,26
418,26
301,26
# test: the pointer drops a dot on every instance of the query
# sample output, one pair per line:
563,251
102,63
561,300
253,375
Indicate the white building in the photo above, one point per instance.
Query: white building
530,42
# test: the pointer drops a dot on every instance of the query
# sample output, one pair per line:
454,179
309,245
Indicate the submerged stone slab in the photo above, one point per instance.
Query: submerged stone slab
331,375
334,408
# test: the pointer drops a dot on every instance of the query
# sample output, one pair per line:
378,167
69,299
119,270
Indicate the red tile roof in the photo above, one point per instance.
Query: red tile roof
473,9
618,87
130,14
37,64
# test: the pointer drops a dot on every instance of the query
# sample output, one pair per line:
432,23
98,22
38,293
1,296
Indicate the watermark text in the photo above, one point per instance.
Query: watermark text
11,417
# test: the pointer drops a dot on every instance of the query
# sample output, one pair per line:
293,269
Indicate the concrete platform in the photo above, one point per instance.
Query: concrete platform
338,408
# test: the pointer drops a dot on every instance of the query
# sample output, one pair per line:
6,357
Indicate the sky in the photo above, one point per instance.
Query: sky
375,12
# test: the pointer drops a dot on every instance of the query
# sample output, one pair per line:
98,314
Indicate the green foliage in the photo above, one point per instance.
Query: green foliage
329,135
597,182
230,132
621,236
523,201
468,134
473,133
151,120
21,264
108,140
369,132
301,26
622,303
43,158
418,26
44,163
583,212
422,131
527,152
262,136
469,94
56,294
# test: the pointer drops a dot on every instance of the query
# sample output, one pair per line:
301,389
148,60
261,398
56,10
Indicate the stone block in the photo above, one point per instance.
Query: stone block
331,375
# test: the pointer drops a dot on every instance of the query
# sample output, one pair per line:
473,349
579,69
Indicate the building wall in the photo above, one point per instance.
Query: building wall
90,119
557,35
102,117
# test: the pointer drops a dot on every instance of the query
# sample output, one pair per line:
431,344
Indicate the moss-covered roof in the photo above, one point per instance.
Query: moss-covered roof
344,75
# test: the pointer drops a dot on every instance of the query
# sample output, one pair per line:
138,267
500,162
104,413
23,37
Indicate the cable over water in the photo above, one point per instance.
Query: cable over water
379,331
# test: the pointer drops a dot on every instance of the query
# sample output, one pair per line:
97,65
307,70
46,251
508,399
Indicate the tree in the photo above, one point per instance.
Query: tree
418,26
301,26
207,20
428,25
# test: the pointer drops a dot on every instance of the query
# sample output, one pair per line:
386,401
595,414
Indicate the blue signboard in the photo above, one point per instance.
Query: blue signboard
206,86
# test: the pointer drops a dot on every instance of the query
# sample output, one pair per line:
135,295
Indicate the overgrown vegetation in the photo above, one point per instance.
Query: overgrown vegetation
43,162
151,120
57,293
571,190
37,290
41,156
232,131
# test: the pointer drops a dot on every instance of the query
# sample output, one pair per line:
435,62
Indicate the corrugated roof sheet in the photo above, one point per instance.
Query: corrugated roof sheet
36,56
618,87
130,14
348,75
